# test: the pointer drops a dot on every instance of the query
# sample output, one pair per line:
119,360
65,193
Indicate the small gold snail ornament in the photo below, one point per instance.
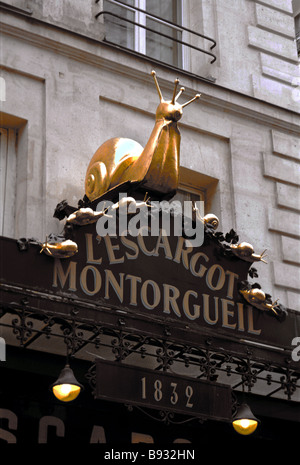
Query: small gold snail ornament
257,298
156,166
63,249
245,251
209,219
84,216
129,205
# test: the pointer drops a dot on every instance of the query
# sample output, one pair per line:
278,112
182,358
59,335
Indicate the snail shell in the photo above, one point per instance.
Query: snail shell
108,165
257,295
244,249
84,216
211,219
64,249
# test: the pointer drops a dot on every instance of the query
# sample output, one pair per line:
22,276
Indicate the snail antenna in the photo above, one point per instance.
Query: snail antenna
174,92
157,85
182,89
274,304
192,100
263,255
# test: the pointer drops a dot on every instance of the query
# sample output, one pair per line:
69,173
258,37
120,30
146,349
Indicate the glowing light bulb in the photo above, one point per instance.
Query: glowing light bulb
66,392
65,389
245,423
245,426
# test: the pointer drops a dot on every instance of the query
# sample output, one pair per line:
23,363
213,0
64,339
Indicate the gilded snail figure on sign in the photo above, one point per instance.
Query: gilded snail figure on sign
120,160
257,298
84,216
245,251
59,249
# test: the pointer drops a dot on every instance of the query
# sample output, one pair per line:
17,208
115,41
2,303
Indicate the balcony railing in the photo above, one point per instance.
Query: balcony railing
174,26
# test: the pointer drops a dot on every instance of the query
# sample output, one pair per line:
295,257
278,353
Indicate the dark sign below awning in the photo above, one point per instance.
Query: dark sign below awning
160,390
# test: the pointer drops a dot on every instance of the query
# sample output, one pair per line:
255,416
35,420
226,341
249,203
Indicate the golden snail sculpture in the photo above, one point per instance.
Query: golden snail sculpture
258,299
60,249
120,160
209,219
245,251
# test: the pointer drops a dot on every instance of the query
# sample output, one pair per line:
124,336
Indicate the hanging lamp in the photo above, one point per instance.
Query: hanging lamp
244,422
66,388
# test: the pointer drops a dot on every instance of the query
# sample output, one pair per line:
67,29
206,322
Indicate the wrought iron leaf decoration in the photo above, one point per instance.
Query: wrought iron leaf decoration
232,237
253,273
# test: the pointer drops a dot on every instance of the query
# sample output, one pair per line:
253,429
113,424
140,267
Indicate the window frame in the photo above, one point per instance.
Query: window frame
8,181
140,28
186,47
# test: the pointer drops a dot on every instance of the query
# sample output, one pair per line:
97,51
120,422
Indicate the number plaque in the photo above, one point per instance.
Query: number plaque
118,382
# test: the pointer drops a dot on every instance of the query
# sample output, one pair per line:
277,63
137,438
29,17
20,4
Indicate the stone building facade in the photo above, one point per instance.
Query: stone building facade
77,73
66,89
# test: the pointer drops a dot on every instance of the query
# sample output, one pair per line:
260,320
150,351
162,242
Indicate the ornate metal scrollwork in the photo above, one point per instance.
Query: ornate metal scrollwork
113,343
91,377
165,355
289,382
22,326
164,416
208,366
120,347
248,374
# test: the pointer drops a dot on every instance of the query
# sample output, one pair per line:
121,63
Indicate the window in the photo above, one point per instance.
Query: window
296,14
8,167
126,23
188,193
155,29
195,187
297,26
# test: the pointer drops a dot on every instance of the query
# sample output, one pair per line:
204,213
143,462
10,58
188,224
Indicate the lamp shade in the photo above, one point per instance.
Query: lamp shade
66,388
244,422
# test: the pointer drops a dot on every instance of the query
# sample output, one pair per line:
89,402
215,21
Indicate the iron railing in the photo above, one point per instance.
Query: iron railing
164,21
25,326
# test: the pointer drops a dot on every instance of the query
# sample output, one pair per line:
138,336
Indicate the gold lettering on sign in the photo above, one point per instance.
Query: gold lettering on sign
171,294
226,314
117,287
133,287
210,275
204,302
202,269
110,250
206,309
180,252
163,242
143,247
59,275
90,250
156,294
232,277
96,280
241,316
132,246
186,306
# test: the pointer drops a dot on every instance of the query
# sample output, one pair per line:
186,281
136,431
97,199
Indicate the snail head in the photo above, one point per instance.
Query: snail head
171,110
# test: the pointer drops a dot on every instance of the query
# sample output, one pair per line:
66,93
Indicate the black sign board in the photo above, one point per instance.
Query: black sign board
156,279
160,390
